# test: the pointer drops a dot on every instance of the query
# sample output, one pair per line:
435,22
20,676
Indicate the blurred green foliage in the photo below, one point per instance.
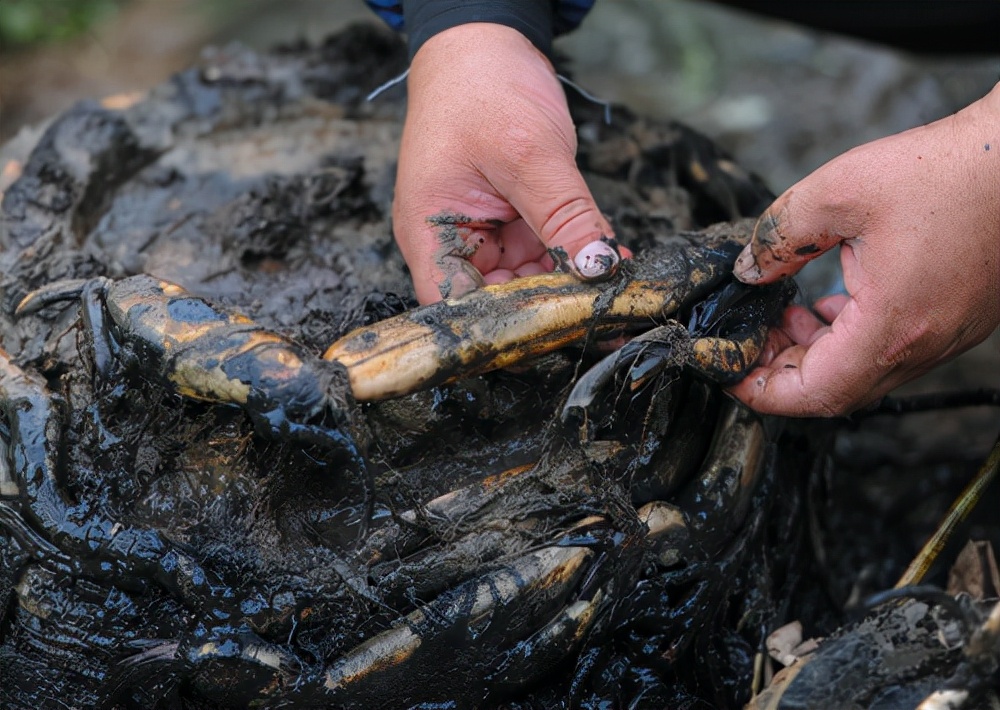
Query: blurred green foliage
25,22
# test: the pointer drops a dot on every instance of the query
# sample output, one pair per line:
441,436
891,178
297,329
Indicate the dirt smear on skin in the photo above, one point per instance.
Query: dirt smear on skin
264,183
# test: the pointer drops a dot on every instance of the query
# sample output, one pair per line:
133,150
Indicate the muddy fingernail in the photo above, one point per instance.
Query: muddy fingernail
745,268
595,260
461,277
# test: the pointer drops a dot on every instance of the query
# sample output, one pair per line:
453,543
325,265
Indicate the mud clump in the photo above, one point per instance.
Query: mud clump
159,551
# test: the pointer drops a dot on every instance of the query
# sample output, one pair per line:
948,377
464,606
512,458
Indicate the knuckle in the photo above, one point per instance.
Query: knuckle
900,347
787,392
531,138
570,216
520,148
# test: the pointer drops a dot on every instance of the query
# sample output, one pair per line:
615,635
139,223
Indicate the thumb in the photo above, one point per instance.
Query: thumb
803,223
831,373
552,197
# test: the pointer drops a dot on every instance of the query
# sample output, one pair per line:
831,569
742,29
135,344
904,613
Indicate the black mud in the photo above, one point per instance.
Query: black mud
264,183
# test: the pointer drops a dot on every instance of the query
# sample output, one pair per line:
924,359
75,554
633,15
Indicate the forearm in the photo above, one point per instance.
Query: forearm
990,122
977,148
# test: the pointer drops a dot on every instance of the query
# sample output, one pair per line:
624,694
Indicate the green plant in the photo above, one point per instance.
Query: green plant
25,22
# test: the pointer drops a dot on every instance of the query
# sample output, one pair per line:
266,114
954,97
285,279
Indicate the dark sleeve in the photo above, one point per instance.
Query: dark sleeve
389,10
538,20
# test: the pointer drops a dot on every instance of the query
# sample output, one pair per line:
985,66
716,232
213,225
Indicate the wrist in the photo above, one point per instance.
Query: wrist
486,55
992,100
982,125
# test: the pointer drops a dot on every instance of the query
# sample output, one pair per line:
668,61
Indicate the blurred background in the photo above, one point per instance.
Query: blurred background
782,98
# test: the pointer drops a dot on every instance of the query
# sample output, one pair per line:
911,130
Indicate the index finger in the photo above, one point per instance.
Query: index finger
807,220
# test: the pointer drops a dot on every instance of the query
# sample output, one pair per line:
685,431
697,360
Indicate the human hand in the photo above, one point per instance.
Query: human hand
487,178
917,216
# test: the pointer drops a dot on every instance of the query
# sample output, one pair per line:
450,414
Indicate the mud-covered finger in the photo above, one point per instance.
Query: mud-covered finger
797,228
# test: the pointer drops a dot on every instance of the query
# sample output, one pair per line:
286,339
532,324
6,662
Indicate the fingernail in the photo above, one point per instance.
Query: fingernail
745,268
461,277
595,260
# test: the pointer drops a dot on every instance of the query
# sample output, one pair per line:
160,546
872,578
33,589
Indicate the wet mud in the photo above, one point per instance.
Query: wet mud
168,549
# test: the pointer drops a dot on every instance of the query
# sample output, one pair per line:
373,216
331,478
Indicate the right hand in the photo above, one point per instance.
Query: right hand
487,179
917,219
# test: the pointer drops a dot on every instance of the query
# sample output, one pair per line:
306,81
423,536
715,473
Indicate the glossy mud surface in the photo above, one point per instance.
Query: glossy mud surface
162,550
264,184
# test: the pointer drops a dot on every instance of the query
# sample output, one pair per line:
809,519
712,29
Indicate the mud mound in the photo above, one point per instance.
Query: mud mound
161,550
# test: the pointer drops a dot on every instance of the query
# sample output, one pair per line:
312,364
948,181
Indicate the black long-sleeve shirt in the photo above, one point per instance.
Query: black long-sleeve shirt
956,26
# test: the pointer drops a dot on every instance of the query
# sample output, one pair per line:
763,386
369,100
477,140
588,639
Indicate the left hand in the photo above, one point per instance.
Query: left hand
488,179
